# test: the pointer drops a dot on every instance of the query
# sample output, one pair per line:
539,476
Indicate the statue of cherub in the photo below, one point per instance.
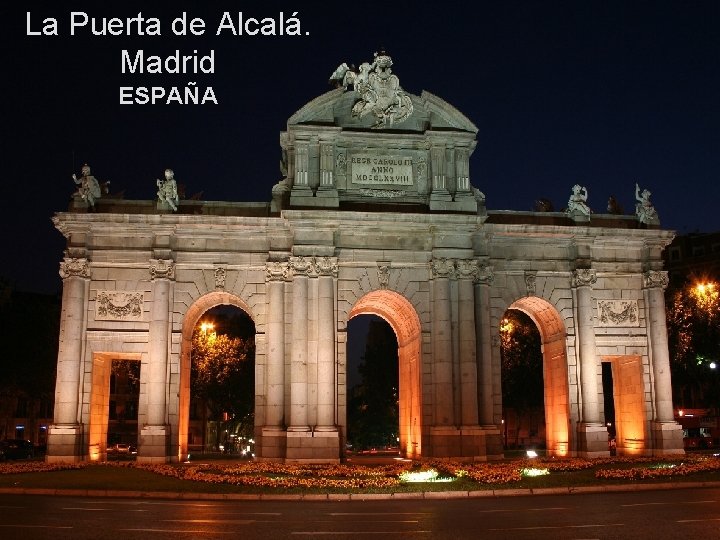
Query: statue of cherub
578,201
644,209
167,190
88,186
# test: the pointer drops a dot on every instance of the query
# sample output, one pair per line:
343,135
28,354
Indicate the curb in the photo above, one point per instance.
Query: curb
338,497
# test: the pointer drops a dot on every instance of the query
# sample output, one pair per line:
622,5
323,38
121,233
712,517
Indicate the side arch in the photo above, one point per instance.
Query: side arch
400,314
192,316
555,371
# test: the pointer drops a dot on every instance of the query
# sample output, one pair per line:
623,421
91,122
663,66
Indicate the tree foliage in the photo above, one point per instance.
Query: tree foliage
222,373
373,405
522,363
693,324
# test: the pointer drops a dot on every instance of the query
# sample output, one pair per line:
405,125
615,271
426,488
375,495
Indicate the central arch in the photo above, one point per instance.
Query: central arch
400,314
555,372
193,315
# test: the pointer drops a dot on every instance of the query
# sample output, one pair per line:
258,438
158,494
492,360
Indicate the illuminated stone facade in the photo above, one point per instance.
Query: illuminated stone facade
375,219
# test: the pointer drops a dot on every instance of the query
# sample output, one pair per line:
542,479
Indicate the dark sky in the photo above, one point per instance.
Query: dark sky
601,93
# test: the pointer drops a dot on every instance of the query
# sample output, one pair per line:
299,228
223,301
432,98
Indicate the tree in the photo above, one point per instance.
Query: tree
522,365
373,405
693,323
222,374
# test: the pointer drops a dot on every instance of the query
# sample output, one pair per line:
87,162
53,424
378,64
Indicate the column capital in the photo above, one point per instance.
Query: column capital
277,271
583,277
326,266
301,266
655,278
467,268
485,275
442,268
74,267
162,269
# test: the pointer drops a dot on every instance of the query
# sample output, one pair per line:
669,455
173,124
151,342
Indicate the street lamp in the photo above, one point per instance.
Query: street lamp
206,327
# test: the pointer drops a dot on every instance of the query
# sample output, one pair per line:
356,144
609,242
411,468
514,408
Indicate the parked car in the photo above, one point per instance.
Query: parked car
16,449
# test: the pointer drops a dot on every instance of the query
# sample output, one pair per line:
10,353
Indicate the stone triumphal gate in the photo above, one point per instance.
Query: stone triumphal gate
375,215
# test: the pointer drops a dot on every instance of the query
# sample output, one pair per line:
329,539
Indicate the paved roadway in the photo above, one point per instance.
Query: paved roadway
680,513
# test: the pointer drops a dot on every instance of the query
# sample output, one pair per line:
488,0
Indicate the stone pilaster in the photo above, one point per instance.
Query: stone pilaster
440,198
484,344
65,435
467,271
276,274
442,271
667,433
300,266
327,269
592,433
154,436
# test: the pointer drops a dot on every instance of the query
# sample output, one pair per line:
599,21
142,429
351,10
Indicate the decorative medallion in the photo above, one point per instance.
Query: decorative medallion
220,274
384,274
385,193
618,313
530,282
119,306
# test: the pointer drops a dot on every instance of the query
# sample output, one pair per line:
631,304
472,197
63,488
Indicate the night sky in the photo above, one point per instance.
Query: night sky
600,93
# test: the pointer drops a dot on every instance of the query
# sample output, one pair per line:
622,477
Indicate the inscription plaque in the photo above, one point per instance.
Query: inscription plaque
386,170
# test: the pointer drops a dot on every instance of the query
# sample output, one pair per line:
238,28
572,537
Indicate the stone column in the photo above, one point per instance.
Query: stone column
654,283
65,435
484,345
467,270
327,194
667,433
592,433
440,198
326,269
442,270
582,281
276,275
298,363
154,435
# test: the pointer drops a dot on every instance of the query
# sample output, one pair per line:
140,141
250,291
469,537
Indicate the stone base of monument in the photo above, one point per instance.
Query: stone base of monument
467,443
271,444
301,197
313,447
65,444
465,202
153,444
668,438
441,201
326,198
578,217
163,207
592,440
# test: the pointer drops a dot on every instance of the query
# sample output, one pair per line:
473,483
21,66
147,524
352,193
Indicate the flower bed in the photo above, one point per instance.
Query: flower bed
358,477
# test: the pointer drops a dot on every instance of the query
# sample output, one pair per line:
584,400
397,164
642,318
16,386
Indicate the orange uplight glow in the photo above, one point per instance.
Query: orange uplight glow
206,327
